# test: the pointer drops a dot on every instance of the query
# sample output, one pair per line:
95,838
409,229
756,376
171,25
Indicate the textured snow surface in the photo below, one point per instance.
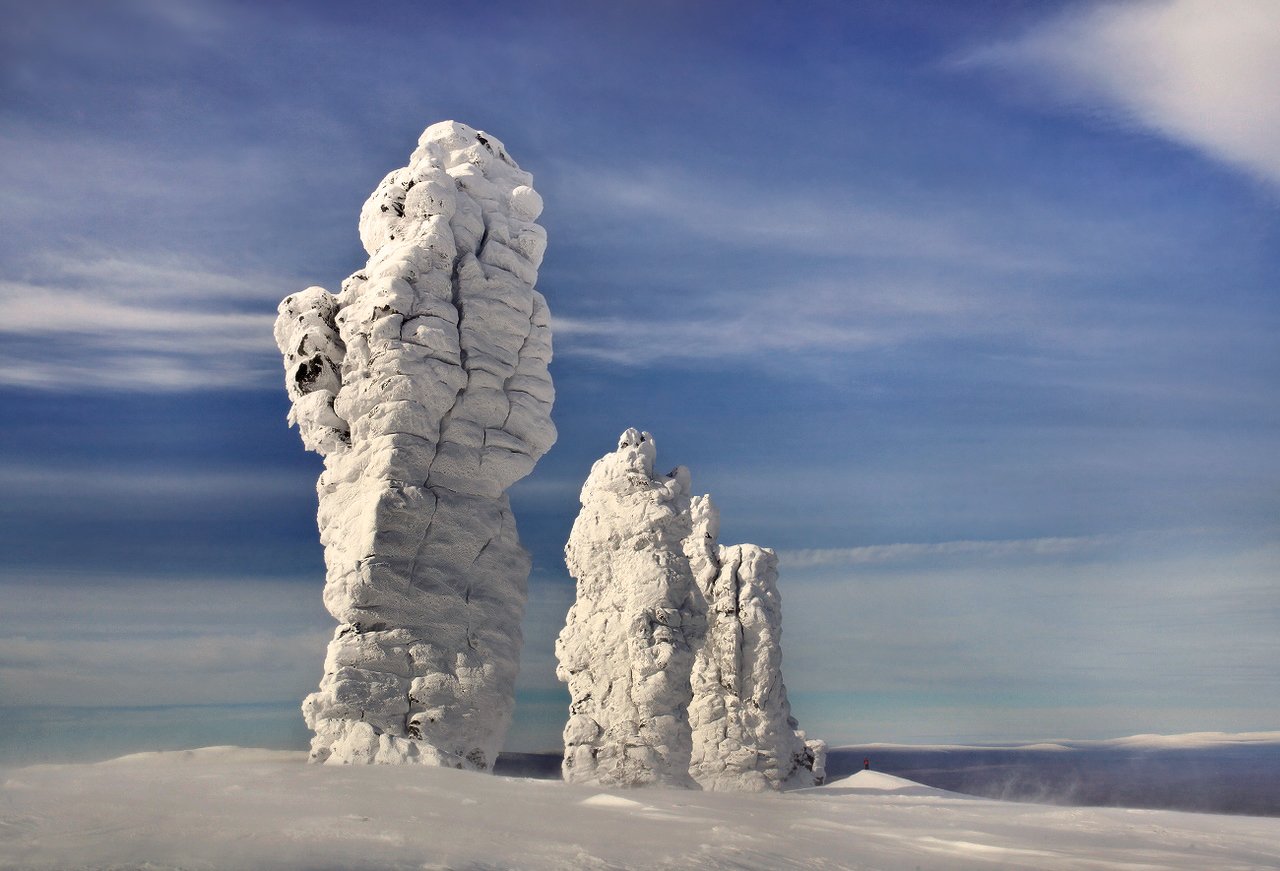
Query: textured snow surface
224,808
424,385
672,649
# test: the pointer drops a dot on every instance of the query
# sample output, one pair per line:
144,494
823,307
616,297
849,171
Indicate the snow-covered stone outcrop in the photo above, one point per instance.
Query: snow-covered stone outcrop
744,736
672,649
627,648
424,385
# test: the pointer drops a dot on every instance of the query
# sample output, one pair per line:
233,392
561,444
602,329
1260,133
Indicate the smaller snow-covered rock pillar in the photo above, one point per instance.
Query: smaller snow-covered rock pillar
672,650
744,737
628,644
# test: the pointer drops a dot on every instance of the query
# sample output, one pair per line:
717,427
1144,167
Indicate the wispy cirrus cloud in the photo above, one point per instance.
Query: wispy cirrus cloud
843,221
824,316
835,282
1201,73
752,270
129,322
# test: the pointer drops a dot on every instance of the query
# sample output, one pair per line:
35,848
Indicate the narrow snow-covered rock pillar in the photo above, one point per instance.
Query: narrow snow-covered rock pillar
424,385
744,737
628,644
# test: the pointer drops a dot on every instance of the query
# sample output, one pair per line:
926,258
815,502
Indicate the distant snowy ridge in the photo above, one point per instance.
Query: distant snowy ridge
671,650
424,385
1155,741
1187,739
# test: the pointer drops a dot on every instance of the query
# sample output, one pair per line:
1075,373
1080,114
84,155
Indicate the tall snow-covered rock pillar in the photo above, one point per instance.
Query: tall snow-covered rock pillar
672,649
424,385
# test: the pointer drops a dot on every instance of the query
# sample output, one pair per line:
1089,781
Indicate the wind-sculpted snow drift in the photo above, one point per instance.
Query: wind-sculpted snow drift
671,650
424,386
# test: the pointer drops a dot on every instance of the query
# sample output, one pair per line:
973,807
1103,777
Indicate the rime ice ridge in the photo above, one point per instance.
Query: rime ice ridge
672,648
424,386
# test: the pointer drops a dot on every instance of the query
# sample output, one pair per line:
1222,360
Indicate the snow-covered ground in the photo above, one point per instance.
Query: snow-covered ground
237,809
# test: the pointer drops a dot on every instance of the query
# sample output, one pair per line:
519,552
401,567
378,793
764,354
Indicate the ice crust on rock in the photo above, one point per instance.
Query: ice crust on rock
424,385
671,650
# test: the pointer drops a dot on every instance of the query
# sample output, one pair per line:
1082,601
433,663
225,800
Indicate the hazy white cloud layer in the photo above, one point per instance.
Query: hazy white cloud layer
113,641
1201,72
1064,637
742,213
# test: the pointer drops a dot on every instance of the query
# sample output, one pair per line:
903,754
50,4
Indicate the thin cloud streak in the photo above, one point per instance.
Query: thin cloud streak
111,640
211,653
89,482
113,604
34,310
1040,548
1123,629
909,552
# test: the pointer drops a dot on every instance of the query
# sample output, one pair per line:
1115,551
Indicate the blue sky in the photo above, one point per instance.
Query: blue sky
969,310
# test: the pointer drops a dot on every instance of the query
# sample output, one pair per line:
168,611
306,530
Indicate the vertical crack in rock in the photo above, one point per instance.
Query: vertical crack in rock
424,385
672,649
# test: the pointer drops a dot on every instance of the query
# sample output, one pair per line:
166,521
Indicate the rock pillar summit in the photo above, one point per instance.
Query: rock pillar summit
424,386
672,649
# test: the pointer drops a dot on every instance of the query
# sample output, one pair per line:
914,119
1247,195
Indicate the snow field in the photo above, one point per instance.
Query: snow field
231,808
